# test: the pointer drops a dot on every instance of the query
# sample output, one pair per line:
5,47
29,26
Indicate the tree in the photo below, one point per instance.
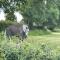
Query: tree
52,14
36,12
42,12
10,6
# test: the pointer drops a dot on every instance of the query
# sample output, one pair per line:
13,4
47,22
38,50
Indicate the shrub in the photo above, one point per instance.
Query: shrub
11,56
37,32
3,24
26,51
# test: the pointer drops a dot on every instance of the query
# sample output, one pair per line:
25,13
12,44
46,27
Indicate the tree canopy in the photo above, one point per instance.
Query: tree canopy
44,12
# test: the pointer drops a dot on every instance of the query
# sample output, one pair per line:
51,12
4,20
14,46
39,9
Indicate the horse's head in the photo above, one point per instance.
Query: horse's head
25,29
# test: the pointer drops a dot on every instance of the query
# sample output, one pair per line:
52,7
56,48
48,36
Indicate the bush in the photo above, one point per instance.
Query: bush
4,24
26,52
11,56
2,54
37,32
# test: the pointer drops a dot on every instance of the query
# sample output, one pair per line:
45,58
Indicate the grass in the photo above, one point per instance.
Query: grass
37,32
52,40
37,40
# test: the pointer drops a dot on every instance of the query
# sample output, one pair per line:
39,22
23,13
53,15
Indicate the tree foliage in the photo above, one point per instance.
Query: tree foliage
42,12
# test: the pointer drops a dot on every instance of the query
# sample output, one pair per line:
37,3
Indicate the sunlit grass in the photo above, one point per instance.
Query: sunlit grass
37,32
52,41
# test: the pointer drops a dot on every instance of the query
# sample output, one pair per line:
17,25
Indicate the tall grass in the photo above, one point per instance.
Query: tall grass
35,47
37,32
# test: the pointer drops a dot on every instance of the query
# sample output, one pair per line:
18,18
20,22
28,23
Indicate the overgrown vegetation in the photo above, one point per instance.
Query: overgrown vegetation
5,24
45,47
38,32
40,44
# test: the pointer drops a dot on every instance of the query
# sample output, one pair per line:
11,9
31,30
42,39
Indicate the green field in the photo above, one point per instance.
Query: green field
50,43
